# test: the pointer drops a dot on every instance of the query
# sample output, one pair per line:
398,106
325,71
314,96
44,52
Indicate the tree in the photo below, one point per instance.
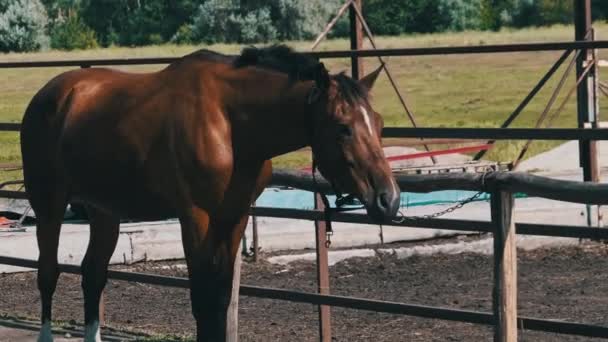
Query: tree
527,13
599,9
489,15
463,14
22,25
387,17
107,18
226,21
57,8
296,19
137,22
70,33
556,11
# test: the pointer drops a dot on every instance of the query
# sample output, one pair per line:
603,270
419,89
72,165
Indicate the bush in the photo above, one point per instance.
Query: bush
184,35
155,39
253,27
210,23
388,17
297,20
22,25
556,11
527,13
131,22
72,33
463,14
218,21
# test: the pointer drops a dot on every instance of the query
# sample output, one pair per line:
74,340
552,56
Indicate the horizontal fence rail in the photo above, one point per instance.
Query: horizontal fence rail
10,126
449,224
424,51
532,185
458,315
466,133
497,133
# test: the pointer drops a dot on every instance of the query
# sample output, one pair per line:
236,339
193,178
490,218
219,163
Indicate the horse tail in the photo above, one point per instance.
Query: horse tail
40,132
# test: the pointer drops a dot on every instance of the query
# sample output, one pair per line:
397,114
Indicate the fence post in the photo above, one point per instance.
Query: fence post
322,273
255,237
504,295
232,319
356,39
586,92
102,309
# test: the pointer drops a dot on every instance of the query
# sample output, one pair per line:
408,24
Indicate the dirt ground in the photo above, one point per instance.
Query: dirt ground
566,283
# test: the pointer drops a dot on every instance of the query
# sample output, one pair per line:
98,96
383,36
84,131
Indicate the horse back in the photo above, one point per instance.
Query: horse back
131,143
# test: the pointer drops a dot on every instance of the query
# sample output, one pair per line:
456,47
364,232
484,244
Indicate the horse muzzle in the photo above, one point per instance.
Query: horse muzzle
384,204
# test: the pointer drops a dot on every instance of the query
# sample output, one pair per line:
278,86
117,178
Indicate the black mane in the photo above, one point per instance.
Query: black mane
351,90
282,58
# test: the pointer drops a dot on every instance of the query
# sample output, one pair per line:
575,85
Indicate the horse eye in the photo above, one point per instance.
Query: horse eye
345,131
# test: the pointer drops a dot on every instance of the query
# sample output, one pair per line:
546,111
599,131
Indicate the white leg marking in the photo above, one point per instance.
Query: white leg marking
92,333
46,334
367,120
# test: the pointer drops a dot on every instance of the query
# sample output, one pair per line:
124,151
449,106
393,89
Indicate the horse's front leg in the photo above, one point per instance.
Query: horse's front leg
211,247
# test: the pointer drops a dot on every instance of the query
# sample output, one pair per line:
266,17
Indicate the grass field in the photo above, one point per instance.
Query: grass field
443,91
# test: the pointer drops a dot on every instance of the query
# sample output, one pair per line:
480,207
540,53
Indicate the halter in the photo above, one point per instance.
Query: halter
341,200
328,211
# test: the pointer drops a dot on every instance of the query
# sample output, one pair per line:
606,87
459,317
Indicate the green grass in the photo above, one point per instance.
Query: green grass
443,91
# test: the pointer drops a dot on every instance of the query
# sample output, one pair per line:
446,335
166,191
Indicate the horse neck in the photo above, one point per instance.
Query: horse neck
271,117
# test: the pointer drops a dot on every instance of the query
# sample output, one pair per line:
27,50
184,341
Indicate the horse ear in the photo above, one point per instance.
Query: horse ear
368,81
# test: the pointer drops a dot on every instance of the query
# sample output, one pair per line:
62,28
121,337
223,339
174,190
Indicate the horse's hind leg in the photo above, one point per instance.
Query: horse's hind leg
102,242
49,213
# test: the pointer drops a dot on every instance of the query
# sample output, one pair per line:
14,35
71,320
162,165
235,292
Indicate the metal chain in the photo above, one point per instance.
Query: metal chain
402,218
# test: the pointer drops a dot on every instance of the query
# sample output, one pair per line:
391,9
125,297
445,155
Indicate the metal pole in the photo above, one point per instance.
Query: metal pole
528,98
595,144
356,39
331,24
370,36
585,93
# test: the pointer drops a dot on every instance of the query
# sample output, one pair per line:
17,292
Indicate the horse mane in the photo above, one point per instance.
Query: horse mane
281,58
351,90
298,66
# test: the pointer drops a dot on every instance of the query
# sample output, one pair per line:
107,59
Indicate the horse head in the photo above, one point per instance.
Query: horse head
347,141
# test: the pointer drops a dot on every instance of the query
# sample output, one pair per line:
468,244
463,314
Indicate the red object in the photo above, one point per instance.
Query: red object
432,153
4,222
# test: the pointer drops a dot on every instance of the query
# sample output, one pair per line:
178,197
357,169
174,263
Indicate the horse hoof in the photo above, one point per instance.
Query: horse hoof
92,333
46,335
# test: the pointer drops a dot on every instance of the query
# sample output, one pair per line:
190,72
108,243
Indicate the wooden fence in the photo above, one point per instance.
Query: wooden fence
504,316
501,185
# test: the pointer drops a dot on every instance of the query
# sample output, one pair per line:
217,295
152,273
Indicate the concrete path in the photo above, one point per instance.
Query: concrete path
162,240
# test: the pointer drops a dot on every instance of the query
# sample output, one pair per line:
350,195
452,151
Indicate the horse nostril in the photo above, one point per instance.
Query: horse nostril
383,201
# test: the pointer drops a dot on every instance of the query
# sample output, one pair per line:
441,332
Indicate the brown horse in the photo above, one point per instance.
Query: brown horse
193,140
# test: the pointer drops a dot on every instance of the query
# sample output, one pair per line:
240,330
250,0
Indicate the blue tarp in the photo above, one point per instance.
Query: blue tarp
300,199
